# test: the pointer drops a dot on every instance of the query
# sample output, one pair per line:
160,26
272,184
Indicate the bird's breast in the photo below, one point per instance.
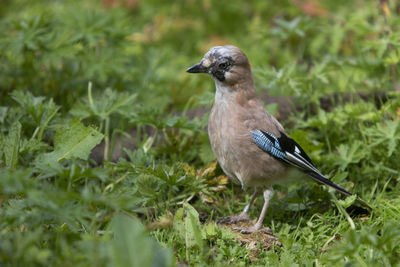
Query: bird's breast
241,160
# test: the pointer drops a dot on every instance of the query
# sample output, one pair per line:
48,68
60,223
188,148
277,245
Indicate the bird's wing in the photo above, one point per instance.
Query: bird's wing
287,150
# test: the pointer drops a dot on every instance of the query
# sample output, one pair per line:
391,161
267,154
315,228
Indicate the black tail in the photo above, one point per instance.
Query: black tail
323,180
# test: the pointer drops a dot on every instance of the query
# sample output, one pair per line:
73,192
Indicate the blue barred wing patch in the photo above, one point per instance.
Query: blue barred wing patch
268,142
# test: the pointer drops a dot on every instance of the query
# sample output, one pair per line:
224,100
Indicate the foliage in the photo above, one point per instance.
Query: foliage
74,74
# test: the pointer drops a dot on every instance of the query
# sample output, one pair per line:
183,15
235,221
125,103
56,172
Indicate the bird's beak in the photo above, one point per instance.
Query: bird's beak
197,68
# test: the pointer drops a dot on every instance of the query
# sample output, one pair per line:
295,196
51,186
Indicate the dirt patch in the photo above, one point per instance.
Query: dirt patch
257,241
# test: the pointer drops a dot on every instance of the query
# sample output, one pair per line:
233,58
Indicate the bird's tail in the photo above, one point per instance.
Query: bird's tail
323,180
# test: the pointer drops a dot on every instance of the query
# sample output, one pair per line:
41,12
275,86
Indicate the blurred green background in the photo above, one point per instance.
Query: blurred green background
77,73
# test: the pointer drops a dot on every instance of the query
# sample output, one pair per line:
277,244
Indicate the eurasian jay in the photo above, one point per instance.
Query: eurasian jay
251,146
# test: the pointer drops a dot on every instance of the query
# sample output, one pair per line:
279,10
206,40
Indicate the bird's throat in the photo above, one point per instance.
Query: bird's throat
223,92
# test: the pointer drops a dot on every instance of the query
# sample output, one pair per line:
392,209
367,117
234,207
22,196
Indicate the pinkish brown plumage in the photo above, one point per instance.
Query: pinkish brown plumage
251,146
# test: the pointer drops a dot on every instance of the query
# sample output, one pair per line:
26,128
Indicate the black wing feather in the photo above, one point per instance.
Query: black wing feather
289,145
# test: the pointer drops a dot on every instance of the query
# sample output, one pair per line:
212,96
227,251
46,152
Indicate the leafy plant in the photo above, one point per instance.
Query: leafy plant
79,77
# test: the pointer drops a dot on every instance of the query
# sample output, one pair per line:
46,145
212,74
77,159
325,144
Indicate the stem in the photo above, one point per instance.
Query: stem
91,104
46,122
386,32
107,138
35,133
343,211
327,141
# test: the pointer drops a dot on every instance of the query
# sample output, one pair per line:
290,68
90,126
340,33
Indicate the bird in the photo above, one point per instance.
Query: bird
250,145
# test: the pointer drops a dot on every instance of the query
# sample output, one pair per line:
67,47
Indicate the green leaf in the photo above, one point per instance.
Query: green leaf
11,145
340,176
102,106
386,133
73,140
3,113
187,224
209,230
348,154
348,201
192,225
132,246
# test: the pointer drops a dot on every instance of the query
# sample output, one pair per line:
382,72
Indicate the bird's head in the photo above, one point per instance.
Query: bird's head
226,64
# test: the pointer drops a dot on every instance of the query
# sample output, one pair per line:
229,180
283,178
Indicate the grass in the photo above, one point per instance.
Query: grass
104,156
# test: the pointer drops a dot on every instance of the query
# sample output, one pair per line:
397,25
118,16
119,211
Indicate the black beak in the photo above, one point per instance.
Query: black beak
197,68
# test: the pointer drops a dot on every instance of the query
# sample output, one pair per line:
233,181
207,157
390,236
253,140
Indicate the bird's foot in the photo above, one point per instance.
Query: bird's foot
242,217
252,229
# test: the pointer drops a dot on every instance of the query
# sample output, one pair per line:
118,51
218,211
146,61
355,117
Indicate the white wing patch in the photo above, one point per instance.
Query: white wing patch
297,150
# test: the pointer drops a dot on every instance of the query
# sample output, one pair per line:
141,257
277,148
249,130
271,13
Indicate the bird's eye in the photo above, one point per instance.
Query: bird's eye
223,65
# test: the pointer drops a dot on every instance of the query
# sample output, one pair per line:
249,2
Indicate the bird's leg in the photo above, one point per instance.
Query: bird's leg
268,194
246,209
243,216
